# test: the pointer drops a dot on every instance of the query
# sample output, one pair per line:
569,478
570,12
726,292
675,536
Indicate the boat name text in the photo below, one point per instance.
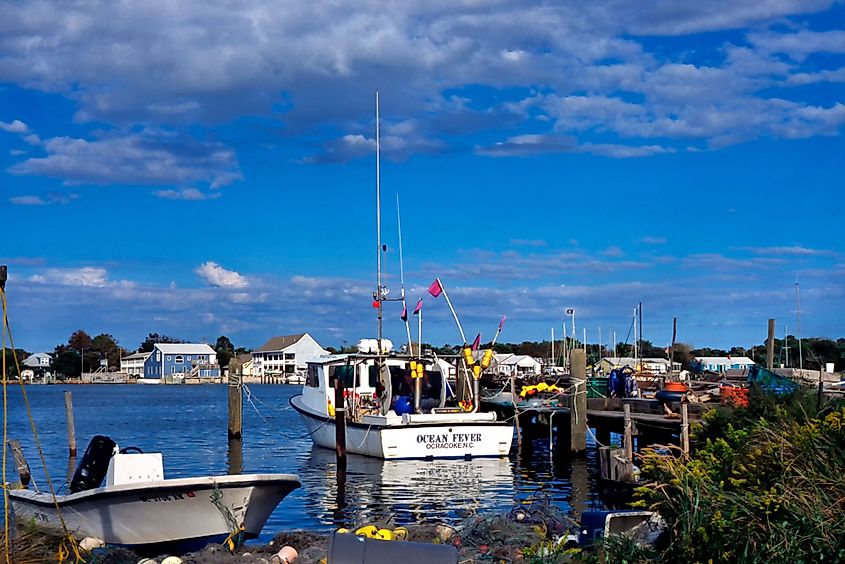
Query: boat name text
455,440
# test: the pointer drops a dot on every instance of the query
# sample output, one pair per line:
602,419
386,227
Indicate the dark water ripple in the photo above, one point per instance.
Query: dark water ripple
188,425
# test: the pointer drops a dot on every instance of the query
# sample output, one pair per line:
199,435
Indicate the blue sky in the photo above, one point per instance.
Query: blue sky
207,168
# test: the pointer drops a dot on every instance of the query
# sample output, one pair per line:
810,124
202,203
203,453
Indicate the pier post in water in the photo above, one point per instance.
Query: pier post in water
340,423
71,427
20,462
235,407
515,412
578,414
628,437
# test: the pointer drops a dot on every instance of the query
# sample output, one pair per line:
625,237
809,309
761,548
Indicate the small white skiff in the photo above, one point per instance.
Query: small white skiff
139,509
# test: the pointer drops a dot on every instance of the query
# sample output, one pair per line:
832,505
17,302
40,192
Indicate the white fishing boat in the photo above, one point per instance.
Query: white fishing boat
140,509
395,406
385,418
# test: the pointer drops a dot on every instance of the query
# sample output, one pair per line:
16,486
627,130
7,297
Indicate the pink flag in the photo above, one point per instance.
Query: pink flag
502,322
436,288
476,342
418,309
404,312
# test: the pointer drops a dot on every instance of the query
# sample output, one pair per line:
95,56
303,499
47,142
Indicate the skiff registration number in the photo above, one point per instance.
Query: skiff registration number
449,440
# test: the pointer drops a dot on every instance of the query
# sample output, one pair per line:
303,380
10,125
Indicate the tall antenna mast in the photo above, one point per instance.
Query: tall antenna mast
798,325
379,294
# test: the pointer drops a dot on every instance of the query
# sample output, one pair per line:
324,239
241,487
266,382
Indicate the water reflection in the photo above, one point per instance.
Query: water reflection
409,491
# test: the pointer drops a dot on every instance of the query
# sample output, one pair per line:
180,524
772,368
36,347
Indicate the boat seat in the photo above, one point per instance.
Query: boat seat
135,467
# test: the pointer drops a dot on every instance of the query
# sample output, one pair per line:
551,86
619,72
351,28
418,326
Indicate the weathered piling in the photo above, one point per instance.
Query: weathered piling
71,427
20,461
515,412
235,407
578,417
340,422
628,433
685,427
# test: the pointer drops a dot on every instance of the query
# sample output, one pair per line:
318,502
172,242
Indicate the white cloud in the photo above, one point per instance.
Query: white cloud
87,276
150,157
216,275
190,194
45,199
15,126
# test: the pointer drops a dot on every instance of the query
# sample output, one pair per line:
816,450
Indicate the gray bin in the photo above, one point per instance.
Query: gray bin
346,548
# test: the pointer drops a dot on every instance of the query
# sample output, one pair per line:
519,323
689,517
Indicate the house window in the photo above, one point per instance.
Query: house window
179,359
290,356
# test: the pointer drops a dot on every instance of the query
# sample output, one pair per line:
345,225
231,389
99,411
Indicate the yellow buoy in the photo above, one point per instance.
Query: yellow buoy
468,356
485,360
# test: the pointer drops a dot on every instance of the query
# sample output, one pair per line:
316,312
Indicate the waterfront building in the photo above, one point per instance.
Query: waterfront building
722,363
285,355
134,364
181,360
647,365
38,360
509,364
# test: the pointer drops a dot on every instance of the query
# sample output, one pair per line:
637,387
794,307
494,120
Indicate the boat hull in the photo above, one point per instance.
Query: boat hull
181,513
448,439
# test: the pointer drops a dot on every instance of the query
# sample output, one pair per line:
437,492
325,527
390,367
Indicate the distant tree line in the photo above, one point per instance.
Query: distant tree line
83,353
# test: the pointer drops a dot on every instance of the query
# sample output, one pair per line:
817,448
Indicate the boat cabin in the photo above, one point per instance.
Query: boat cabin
373,391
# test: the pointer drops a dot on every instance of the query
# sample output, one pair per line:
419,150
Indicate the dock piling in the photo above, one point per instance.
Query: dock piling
20,461
235,407
515,412
685,427
71,427
578,417
340,423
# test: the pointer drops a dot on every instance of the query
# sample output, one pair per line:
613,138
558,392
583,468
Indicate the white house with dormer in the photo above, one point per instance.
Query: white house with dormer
284,355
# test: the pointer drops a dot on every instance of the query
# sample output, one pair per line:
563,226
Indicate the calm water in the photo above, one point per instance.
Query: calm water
188,425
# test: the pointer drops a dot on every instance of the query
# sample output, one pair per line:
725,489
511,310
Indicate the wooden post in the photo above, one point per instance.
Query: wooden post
20,461
340,423
578,413
515,412
672,350
235,407
770,346
629,435
71,428
684,428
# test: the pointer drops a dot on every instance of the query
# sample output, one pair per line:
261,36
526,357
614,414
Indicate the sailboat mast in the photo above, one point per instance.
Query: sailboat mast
379,295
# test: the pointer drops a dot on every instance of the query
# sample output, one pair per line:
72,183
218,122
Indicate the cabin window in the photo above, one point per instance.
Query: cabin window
189,358
313,378
179,359
158,356
346,372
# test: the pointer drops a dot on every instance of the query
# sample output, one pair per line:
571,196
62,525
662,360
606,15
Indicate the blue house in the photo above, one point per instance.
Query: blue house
180,360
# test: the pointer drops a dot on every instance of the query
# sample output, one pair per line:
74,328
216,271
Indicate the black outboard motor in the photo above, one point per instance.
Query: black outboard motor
94,465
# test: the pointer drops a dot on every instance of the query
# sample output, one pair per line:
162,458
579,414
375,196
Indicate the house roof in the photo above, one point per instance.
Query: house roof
34,360
184,348
280,343
244,358
137,355
630,360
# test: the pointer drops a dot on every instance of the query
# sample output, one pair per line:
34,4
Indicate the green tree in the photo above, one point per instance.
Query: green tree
225,350
153,338
108,349
79,340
